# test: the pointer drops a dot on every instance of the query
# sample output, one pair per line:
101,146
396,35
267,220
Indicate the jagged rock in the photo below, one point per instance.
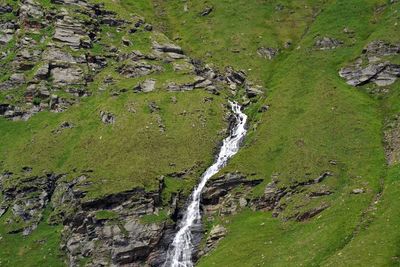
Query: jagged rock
263,108
107,117
128,242
326,43
267,52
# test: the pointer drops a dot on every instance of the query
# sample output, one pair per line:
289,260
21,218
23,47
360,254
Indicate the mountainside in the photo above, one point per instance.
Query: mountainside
111,110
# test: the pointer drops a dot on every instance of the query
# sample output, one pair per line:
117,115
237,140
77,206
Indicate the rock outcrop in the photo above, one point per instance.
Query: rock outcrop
25,197
374,66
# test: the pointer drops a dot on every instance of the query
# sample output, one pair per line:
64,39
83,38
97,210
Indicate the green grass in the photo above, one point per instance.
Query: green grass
106,215
314,118
131,153
41,248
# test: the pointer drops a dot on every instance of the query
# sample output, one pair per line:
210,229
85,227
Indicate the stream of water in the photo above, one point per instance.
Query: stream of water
180,251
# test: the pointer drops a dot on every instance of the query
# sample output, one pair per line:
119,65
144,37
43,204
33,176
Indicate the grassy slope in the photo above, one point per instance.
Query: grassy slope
314,117
133,152
41,248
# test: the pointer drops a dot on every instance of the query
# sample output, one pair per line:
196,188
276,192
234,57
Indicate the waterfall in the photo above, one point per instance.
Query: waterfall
180,251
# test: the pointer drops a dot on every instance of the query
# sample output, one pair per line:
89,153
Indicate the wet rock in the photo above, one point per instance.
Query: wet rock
107,117
327,43
267,52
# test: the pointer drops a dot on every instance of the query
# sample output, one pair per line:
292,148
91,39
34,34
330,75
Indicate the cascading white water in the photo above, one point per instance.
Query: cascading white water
180,252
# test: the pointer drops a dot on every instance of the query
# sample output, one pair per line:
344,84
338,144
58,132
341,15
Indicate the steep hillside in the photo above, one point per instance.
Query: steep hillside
111,110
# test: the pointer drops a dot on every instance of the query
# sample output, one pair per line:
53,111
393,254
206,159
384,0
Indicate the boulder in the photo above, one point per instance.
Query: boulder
146,86
107,117
267,52
326,43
